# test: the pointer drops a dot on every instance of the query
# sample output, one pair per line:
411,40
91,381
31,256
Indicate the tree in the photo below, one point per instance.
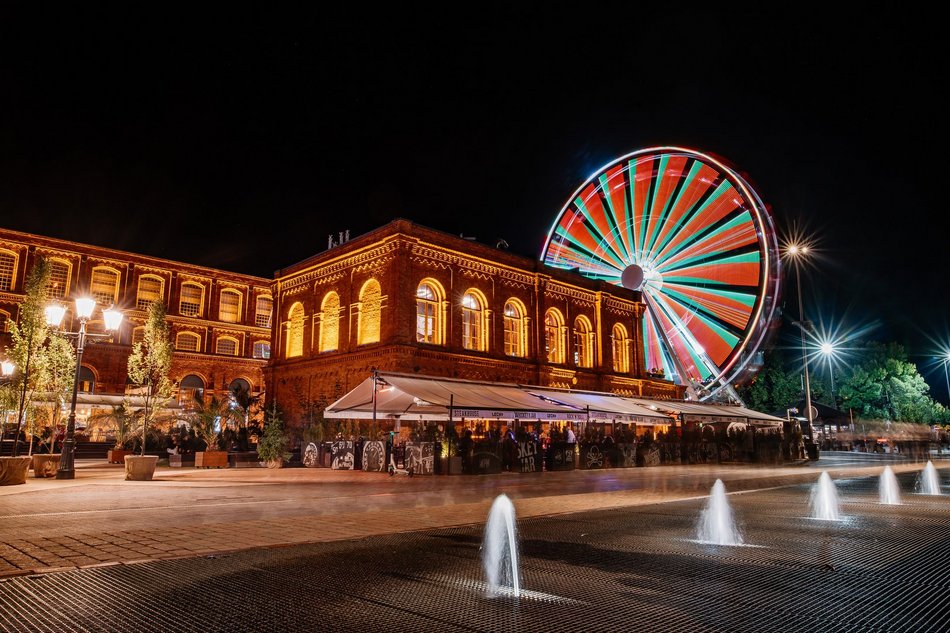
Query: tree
273,445
150,364
122,421
209,418
55,372
773,388
45,356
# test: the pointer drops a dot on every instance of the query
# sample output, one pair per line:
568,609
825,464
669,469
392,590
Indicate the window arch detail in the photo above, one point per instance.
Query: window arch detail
330,323
188,342
227,345
430,308
151,288
59,273
370,313
229,306
621,349
295,331
8,261
265,308
554,331
474,321
192,299
104,287
583,342
516,329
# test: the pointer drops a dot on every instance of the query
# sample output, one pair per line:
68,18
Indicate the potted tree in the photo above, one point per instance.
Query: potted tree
208,419
122,423
148,368
272,448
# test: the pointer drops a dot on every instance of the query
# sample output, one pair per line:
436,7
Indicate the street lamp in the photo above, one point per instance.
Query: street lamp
54,317
946,359
828,351
798,253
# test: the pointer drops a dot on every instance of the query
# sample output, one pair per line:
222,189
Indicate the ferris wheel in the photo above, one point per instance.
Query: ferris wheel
696,240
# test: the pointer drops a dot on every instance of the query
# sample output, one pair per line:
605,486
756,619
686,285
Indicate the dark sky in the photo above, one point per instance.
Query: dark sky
240,138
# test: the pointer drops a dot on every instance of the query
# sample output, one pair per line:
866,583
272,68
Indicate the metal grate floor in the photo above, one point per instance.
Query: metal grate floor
883,568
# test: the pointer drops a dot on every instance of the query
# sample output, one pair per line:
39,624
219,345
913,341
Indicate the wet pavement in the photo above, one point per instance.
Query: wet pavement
601,551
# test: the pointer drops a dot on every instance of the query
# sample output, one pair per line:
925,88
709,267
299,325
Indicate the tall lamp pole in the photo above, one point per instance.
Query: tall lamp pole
797,253
54,316
946,359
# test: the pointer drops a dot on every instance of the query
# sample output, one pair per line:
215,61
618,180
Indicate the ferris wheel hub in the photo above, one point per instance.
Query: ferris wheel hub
641,277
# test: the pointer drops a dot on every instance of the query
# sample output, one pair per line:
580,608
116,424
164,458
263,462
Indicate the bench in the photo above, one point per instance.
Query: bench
179,460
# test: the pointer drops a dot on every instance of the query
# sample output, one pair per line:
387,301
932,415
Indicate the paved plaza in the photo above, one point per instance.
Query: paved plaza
314,549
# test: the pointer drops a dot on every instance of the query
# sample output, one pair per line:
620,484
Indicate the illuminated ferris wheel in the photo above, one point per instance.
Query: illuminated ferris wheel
691,235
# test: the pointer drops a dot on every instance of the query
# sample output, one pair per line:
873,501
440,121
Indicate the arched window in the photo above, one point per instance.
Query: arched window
261,349
58,278
7,270
227,346
295,331
554,336
151,288
330,323
87,380
105,285
429,328
189,387
192,298
583,343
138,335
265,307
370,311
474,322
238,385
186,342
229,308
621,349
516,331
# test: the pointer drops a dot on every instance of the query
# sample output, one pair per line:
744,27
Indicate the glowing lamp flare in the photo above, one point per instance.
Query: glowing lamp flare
54,314
7,368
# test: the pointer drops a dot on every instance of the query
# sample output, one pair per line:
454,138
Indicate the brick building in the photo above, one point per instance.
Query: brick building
411,299
220,321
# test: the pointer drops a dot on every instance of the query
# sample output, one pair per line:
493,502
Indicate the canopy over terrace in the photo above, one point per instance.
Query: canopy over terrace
411,397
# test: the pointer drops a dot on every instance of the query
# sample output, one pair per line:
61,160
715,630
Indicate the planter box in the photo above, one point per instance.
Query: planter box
140,467
45,465
13,470
211,459
117,455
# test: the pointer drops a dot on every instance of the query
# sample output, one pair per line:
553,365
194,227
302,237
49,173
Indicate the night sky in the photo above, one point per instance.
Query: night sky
241,138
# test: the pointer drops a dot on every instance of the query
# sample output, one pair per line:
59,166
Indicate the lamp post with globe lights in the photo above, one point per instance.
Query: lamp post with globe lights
797,253
54,317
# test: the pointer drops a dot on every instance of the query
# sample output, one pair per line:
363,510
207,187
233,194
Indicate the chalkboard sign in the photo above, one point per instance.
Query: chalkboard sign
529,457
341,453
420,457
592,457
311,456
374,457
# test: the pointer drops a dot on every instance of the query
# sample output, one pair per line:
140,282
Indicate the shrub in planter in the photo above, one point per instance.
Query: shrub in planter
210,416
272,449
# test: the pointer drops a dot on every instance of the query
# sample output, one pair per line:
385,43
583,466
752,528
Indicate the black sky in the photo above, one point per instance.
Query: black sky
240,138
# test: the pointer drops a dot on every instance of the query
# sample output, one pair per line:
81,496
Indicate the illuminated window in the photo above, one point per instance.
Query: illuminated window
621,349
87,380
554,336
583,343
295,331
474,322
7,270
138,335
150,289
188,342
265,307
261,349
229,309
192,298
4,321
227,346
190,387
58,279
330,323
516,333
105,285
371,299
429,313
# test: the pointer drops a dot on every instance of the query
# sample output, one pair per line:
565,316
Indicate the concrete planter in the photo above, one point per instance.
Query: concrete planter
13,470
140,467
275,463
117,455
211,459
45,465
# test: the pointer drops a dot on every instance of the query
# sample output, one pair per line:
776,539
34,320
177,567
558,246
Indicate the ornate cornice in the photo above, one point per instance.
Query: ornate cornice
358,260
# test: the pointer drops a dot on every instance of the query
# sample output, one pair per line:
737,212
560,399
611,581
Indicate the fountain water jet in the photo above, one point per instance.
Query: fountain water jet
890,492
716,524
824,499
929,481
500,548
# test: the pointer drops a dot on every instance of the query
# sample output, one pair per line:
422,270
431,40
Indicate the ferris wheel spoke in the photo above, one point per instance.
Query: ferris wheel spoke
732,308
731,233
585,244
670,182
706,325
690,354
694,188
598,223
615,206
716,206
